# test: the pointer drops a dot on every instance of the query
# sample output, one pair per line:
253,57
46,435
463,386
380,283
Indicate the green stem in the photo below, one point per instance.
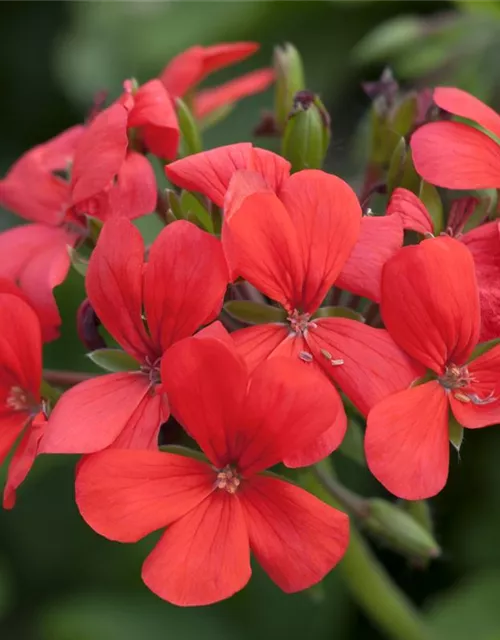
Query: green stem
66,378
368,581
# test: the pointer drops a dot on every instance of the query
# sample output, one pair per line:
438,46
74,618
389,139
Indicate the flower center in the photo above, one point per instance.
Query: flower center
18,400
300,322
455,377
152,370
228,479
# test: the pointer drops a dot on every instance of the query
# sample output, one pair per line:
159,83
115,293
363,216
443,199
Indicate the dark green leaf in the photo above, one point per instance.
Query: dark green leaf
254,312
338,312
113,360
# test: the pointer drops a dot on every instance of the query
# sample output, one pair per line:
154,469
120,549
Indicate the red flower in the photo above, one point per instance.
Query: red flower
109,177
430,305
36,255
291,240
188,69
217,512
483,242
453,154
20,378
379,238
180,288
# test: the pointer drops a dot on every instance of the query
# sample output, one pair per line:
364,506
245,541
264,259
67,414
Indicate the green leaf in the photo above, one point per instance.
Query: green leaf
192,207
338,312
483,348
174,202
388,38
352,445
254,312
430,197
79,264
114,360
456,432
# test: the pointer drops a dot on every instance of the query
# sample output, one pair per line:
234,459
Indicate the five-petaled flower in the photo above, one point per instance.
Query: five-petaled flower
21,408
173,295
430,305
290,237
217,511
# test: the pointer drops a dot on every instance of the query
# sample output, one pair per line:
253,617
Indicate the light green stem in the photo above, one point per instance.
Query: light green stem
370,584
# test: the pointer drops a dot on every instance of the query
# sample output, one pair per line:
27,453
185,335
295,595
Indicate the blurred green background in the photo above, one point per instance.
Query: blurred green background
59,580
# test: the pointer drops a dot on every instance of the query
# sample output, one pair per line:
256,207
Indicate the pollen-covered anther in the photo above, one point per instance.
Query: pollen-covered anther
335,362
17,399
300,322
305,356
228,479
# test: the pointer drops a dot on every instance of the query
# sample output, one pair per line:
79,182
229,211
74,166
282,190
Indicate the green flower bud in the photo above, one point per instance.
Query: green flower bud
399,530
289,80
307,133
190,134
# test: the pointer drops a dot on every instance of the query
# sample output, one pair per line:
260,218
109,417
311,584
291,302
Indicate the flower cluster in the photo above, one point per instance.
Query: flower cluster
272,305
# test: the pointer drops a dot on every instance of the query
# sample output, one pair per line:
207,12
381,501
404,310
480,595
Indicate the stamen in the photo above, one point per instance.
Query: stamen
17,399
228,479
299,322
305,356
152,370
335,362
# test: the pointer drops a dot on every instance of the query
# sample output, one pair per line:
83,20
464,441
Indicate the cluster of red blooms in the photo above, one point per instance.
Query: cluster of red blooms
261,395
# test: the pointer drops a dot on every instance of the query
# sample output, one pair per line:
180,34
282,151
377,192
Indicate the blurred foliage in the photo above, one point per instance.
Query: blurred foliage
58,579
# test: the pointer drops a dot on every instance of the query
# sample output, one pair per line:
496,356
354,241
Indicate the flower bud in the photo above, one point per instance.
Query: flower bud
87,326
307,132
400,530
289,80
190,134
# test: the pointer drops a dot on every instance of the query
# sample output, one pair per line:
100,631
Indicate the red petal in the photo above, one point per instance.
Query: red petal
274,168
484,244
410,210
189,68
209,172
90,416
326,214
124,495
407,442
485,373
289,405
99,153
36,257
265,242
295,537
20,345
114,286
373,366
256,344
206,383
379,239
465,105
153,110
11,426
204,557
133,193
22,460
456,156
209,100
430,302
141,431
185,280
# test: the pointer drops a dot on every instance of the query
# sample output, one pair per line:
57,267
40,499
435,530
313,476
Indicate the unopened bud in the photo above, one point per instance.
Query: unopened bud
307,132
190,134
399,530
289,80
87,326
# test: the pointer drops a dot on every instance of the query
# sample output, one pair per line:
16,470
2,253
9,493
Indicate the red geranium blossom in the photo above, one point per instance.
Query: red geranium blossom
453,154
483,242
210,172
188,69
290,240
178,289
35,256
217,511
21,411
430,305
110,175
